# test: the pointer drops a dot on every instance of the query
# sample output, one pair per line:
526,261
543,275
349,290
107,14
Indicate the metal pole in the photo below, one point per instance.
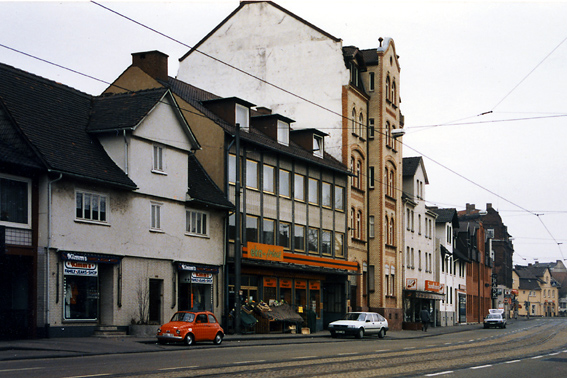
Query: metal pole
237,244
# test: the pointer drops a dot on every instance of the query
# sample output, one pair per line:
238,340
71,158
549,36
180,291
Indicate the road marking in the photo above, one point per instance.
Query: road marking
347,354
406,348
22,369
553,354
448,343
513,361
471,340
179,368
440,373
249,362
381,350
88,376
480,367
536,357
304,357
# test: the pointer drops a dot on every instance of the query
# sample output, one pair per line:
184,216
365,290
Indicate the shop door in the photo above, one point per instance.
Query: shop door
106,300
156,293
15,315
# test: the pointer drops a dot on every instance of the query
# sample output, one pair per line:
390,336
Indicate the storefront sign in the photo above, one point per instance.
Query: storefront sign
314,285
300,284
270,282
198,268
265,252
285,283
462,287
411,283
202,278
434,286
76,268
90,258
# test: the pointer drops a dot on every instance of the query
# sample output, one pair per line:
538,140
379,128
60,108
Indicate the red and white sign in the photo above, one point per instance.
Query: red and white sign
434,286
411,283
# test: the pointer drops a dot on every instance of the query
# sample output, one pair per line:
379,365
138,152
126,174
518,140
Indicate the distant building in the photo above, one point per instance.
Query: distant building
538,292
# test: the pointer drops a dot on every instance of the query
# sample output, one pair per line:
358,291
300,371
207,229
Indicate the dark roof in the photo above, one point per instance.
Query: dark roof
410,165
195,97
123,111
448,215
202,188
370,57
245,3
52,118
529,284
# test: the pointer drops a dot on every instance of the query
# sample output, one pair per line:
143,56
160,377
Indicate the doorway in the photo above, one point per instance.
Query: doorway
156,294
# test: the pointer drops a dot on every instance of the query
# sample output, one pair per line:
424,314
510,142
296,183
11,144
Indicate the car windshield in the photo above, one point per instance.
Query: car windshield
183,317
355,316
493,316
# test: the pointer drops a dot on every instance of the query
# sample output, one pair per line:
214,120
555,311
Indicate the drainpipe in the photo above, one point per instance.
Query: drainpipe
125,152
50,183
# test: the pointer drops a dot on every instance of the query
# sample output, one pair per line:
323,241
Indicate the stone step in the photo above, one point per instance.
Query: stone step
109,331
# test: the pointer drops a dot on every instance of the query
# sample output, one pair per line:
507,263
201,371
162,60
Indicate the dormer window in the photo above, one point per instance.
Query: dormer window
283,133
318,146
243,117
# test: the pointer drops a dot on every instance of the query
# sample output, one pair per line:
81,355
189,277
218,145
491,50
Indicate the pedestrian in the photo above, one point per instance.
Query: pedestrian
424,315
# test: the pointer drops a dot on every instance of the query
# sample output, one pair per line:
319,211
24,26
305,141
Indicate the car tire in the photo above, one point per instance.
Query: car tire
189,339
360,333
503,325
218,339
381,333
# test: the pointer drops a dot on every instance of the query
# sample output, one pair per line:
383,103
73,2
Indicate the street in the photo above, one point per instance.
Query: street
524,349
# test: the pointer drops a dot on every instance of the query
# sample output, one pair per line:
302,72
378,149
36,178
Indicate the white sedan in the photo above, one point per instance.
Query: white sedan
359,324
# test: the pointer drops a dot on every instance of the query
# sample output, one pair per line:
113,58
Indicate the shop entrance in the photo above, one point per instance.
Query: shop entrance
15,313
156,294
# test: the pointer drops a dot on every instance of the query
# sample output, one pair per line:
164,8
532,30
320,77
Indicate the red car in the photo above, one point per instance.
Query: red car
191,326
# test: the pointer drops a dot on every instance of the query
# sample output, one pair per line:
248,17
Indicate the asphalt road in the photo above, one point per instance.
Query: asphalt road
524,349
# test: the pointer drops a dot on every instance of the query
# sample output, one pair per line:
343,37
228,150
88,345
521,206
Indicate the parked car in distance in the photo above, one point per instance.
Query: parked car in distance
495,318
358,324
190,327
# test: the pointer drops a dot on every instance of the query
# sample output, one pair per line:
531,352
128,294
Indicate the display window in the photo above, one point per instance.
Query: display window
315,297
81,297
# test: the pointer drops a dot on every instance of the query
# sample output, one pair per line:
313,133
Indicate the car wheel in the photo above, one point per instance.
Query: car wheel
333,334
503,325
485,326
381,333
189,339
360,333
218,339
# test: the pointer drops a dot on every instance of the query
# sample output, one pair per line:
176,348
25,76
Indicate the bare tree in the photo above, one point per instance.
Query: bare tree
143,295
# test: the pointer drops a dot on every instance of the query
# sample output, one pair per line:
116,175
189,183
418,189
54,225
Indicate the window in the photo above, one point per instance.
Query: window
285,184
371,226
232,226
371,177
81,296
158,159
392,183
339,198
408,258
268,179
371,81
299,187
393,96
232,168
284,235
371,128
360,123
339,244
268,231
359,224
90,206
326,246
196,222
252,174
283,133
419,224
388,135
313,191
326,195
412,259
354,179
243,117
419,257
251,229
359,177
15,196
313,240
392,235
353,126
388,88
299,238
318,146
156,216
352,223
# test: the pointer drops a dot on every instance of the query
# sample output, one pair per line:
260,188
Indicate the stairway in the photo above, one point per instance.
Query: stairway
110,331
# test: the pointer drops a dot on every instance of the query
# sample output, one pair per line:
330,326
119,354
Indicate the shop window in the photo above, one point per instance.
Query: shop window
268,231
326,194
81,295
299,238
251,229
285,183
268,179
15,196
299,187
196,223
285,290
284,235
270,290
326,246
315,297
90,206
301,296
313,240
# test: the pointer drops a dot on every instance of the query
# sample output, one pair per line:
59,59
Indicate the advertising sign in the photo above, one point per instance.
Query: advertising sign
411,283
202,278
77,268
434,286
265,252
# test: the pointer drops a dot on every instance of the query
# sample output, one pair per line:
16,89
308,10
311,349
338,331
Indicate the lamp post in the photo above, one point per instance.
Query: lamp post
237,243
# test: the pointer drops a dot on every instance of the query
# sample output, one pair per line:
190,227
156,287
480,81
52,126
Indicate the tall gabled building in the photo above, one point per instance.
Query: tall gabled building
304,73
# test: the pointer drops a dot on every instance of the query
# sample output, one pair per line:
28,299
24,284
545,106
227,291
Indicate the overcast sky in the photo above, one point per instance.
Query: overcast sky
459,60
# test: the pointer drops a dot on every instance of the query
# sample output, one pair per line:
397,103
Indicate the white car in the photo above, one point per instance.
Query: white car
495,318
359,324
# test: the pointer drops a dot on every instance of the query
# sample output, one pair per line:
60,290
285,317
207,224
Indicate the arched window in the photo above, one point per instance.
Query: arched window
354,120
358,171
391,242
394,101
391,183
385,182
388,87
360,123
353,179
359,225
388,134
352,224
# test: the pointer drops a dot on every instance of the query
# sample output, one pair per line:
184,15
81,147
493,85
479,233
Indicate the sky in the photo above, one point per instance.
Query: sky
483,85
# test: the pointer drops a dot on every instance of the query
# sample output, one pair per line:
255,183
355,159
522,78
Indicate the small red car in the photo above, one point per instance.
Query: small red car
191,326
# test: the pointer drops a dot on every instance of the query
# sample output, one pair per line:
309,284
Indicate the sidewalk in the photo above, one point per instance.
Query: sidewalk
84,346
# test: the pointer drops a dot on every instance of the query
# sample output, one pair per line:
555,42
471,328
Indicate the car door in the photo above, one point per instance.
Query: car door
201,327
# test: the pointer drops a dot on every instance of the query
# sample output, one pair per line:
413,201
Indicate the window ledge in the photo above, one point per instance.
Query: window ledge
157,231
87,221
159,172
197,235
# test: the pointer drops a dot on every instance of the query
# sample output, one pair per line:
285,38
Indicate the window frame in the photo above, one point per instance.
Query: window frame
158,159
318,145
280,235
329,203
203,223
339,247
156,216
313,231
339,196
295,236
283,132
28,204
280,183
238,119
268,178
257,228
316,191
265,222
92,194
249,172
326,239
296,186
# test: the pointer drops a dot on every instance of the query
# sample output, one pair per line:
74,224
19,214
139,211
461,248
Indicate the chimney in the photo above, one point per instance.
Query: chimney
154,63
488,206
470,208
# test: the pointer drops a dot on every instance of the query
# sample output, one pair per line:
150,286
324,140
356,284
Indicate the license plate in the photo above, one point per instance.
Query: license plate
339,331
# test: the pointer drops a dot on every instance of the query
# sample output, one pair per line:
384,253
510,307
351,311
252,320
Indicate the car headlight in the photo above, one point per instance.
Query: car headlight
159,330
351,326
177,331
